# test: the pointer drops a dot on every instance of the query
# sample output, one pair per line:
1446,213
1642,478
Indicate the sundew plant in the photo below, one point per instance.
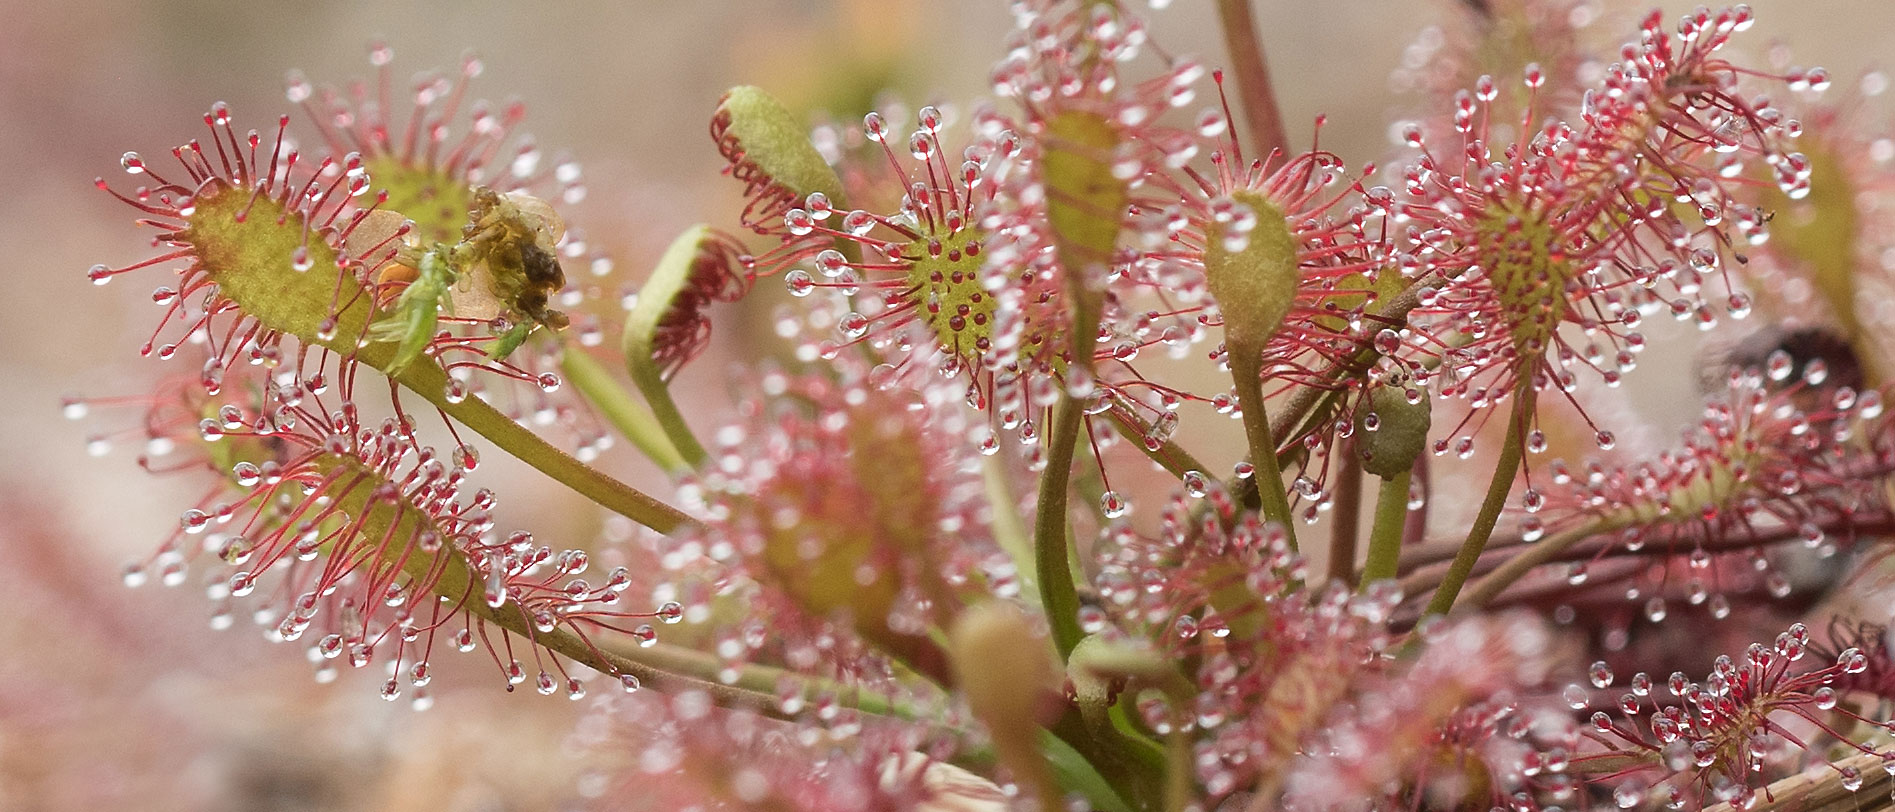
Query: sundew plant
1110,452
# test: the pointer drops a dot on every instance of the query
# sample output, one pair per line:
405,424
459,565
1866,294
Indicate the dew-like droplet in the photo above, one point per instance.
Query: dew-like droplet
645,635
671,612
1601,674
496,591
1655,610
799,282
1629,793
1641,684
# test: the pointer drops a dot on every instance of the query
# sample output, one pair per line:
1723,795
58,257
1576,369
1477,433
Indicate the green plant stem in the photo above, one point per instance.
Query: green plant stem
1489,515
632,420
1492,584
1135,768
1345,515
758,682
1073,771
1246,369
1385,536
1057,592
1178,769
1265,121
1009,531
1097,663
430,382
658,394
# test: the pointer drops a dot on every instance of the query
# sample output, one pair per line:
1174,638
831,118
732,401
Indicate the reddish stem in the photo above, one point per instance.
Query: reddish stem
1258,98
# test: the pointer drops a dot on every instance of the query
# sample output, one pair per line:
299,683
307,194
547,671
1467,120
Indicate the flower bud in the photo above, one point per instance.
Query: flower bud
1004,667
1251,265
1007,672
1392,430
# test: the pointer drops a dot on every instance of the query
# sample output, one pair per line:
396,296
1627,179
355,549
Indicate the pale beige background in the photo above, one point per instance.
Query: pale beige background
113,696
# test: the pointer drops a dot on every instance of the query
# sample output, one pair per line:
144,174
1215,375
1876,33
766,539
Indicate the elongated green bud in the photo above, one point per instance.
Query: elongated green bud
1392,429
1250,264
1006,670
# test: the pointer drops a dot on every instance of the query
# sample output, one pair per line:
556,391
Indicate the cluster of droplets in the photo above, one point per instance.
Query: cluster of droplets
1575,225
487,153
680,749
1500,38
1469,723
1720,739
926,291
846,519
231,199
1066,56
359,541
1165,583
1777,458
230,186
1223,589
1809,271
1341,256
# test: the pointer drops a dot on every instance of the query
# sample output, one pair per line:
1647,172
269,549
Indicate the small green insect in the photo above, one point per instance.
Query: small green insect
504,269
416,316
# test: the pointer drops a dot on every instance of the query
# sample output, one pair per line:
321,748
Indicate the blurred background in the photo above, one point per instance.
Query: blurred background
113,696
